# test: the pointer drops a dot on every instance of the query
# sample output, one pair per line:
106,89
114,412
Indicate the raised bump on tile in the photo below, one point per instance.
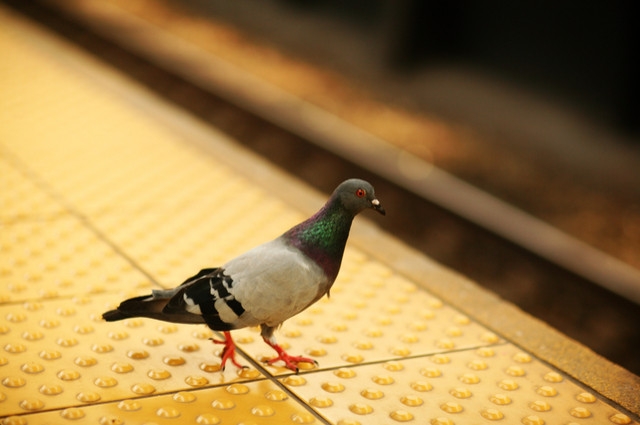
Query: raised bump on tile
88,396
102,348
121,367
129,405
320,401
345,373
168,412
316,351
302,418
348,422
532,420
508,385
32,368
196,380
477,365
158,374
440,359
540,406
515,371
72,413
401,416
522,357
492,414
352,358
207,419
143,389
500,399
111,420
393,366
586,398
430,372
547,391
295,380
460,392
276,395
360,408
553,377
31,404
174,360
68,375
237,389
372,393
262,410
105,382
620,418
50,389
383,379
15,348
421,386
580,412
223,404
469,378
153,342
411,400
485,352
332,387
451,407
32,335
441,421
184,397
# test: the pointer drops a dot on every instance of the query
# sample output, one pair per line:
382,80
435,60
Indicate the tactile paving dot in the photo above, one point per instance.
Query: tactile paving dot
59,353
470,386
47,259
260,402
372,315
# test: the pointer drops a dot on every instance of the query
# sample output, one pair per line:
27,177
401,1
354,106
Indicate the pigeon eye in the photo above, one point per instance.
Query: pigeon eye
360,193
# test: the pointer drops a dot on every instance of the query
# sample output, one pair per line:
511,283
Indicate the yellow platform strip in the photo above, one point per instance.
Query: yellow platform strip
101,201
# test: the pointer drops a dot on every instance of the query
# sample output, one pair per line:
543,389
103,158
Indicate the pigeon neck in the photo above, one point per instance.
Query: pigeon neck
324,236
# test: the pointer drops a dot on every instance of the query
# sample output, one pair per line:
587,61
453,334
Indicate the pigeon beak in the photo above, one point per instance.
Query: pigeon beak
375,204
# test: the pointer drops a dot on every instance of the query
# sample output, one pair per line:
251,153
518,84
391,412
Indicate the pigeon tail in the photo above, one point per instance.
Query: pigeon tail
149,306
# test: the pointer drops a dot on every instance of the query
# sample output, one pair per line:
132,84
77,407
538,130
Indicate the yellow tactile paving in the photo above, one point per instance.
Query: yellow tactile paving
372,315
60,257
21,198
488,384
103,201
257,403
60,353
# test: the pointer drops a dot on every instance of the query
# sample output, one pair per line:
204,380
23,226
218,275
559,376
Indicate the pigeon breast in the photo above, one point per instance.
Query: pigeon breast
273,282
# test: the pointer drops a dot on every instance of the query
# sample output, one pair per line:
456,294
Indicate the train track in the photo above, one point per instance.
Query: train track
580,291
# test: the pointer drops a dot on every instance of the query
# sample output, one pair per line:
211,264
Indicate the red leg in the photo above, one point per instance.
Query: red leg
289,361
229,350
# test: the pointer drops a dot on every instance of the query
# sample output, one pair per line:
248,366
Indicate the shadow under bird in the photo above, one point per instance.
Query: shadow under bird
267,284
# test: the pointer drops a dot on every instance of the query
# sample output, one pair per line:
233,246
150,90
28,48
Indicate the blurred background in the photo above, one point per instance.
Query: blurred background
531,102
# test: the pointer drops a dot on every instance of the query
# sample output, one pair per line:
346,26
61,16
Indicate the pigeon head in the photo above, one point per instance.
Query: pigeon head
323,236
356,195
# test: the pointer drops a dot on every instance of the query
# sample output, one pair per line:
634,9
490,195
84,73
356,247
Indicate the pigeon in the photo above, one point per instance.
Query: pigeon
266,285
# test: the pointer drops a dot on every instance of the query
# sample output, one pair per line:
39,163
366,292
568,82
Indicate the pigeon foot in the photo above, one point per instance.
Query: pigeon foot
291,362
229,351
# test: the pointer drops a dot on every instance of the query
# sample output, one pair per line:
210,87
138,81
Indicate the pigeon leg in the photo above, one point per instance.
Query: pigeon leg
289,361
229,350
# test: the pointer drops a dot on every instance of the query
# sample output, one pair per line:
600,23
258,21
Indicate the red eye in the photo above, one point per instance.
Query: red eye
360,193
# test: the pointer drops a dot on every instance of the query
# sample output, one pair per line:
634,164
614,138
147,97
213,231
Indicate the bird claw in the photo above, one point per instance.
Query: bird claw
290,361
228,352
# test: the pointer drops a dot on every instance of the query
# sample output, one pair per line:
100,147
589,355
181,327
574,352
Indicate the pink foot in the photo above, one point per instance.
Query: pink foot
289,361
229,350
